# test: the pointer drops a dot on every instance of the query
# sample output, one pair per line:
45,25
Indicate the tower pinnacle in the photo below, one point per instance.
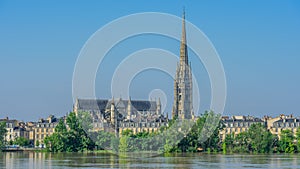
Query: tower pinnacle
183,96
183,44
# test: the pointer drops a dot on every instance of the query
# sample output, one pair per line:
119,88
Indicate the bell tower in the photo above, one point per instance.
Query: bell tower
183,89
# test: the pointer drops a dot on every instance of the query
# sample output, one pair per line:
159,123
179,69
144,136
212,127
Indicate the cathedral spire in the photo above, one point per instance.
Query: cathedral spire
183,44
183,96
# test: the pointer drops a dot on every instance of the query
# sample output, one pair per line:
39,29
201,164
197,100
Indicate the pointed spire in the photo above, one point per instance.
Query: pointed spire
183,44
129,108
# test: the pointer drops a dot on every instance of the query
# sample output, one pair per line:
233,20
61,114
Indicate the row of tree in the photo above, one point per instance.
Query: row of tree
259,140
72,136
203,136
179,136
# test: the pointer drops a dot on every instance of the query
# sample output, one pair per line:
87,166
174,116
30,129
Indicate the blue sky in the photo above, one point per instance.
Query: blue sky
258,43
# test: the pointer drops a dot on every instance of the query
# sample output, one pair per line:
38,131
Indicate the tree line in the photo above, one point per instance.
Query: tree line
72,135
178,136
259,140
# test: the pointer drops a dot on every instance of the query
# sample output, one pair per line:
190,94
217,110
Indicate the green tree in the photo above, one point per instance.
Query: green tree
2,134
124,144
298,138
241,142
260,138
21,141
37,143
85,120
228,141
57,141
208,127
204,134
72,139
286,142
105,140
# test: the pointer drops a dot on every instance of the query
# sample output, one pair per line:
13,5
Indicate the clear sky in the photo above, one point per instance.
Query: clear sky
258,43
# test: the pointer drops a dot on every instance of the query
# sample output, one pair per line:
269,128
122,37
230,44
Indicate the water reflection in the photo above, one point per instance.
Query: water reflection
106,160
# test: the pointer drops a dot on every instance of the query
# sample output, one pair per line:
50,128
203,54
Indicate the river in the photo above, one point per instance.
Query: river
15,160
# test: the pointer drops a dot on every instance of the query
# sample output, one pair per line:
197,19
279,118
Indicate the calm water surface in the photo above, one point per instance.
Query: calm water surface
107,160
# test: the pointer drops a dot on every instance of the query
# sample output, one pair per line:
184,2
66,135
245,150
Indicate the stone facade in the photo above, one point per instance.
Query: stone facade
238,124
116,115
14,130
44,128
282,122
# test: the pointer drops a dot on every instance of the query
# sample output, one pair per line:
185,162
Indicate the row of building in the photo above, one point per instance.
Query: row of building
238,124
35,132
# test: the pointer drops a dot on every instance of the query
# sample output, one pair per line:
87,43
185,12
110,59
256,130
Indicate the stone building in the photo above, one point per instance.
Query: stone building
44,128
282,122
118,115
30,130
183,87
12,128
238,124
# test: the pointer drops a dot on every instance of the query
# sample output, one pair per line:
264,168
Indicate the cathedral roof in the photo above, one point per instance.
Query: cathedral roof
102,104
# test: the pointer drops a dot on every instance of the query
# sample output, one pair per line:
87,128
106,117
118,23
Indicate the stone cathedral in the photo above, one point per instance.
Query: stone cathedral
183,87
117,115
